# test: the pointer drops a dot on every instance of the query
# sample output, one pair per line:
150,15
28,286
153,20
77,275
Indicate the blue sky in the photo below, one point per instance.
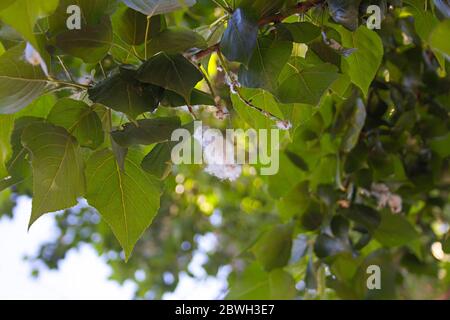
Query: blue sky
82,275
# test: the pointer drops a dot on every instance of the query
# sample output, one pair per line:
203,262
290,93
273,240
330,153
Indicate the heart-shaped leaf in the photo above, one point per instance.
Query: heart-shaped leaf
154,7
307,85
146,132
130,25
172,72
91,43
239,39
29,12
80,120
269,58
58,169
175,40
273,249
127,200
362,65
122,92
20,82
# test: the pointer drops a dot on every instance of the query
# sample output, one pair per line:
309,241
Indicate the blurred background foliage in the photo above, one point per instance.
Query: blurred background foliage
353,189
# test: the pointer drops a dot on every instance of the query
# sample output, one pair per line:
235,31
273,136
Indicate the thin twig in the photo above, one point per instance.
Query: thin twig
223,5
208,82
69,84
103,70
147,29
66,70
191,111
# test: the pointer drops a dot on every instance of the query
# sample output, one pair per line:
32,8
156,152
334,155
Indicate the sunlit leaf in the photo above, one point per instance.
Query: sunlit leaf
127,200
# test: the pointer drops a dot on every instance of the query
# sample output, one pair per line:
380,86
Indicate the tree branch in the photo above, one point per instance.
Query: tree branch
300,7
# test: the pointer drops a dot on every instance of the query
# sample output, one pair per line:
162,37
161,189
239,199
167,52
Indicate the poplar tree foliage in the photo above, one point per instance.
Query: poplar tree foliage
85,124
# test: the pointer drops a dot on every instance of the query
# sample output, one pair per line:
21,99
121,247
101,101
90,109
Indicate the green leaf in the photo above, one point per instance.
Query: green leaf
20,82
120,153
438,38
239,40
363,215
356,124
58,169
154,7
295,203
127,200
282,285
39,108
79,120
385,260
307,85
18,166
172,72
394,230
158,161
6,129
446,244
263,100
175,40
130,25
312,218
425,22
255,284
269,58
286,179
301,32
146,132
92,13
122,92
5,4
91,43
362,65
273,248
198,98
22,15
441,145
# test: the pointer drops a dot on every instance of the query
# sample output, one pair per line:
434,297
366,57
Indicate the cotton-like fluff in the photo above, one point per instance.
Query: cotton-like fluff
34,58
283,125
224,172
385,198
215,151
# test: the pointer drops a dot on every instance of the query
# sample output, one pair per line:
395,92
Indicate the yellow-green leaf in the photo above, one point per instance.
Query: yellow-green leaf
362,65
22,15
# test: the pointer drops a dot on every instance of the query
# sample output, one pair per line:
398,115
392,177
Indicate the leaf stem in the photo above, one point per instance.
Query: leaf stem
103,70
66,70
208,81
223,6
191,111
147,29
68,84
